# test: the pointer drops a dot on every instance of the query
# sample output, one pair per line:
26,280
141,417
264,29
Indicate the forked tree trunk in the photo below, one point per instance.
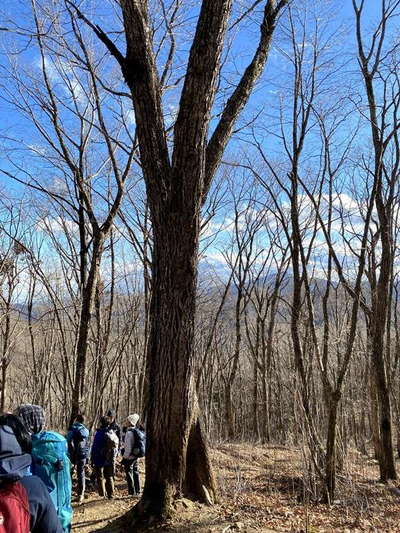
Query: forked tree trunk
177,183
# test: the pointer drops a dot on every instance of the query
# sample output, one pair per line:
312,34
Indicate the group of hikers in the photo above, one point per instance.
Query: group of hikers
37,465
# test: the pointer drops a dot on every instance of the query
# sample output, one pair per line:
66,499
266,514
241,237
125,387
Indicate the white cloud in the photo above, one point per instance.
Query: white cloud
57,225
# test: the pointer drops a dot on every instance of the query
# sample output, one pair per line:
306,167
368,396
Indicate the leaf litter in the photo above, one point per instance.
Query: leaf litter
262,490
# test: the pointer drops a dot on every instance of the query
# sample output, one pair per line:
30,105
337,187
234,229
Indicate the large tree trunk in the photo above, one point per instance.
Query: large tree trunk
170,374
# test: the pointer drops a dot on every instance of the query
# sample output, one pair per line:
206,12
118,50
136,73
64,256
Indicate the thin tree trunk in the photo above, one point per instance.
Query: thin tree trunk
374,419
330,457
88,299
256,424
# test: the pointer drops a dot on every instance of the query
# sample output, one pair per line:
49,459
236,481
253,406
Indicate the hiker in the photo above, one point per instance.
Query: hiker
103,457
110,416
25,504
50,461
78,449
134,448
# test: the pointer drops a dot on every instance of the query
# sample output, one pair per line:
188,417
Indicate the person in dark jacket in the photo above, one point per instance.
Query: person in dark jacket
20,431
110,416
103,455
14,467
78,448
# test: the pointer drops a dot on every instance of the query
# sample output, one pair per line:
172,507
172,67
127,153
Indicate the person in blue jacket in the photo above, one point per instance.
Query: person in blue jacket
78,448
103,455
14,467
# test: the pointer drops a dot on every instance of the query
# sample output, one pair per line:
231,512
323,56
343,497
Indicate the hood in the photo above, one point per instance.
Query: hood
13,463
33,416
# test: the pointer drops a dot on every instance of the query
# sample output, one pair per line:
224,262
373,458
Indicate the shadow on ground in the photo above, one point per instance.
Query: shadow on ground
124,525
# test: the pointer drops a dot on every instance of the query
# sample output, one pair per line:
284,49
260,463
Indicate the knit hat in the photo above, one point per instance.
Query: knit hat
13,463
133,419
33,417
111,413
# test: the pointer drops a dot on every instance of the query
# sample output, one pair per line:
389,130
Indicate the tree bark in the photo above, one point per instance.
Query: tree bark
170,363
330,457
88,299
200,482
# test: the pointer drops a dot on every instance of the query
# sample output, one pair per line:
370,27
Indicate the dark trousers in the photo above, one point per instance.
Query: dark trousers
105,480
131,468
80,474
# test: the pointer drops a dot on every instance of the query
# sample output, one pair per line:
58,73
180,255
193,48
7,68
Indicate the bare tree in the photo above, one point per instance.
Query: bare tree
89,150
177,186
378,62
13,266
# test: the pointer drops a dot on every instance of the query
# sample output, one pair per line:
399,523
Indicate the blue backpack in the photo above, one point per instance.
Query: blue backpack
139,442
50,462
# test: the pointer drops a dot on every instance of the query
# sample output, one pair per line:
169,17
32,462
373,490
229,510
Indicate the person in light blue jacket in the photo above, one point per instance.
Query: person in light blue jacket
50,461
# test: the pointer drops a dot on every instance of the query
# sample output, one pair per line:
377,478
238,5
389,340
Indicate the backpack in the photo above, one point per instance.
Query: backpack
139,442
78,443
14,508
51,463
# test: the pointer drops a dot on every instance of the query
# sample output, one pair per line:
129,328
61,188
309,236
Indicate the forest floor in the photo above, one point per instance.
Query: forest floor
262,490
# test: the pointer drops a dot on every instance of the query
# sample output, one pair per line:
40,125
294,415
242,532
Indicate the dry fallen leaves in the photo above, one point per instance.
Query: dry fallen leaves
261,490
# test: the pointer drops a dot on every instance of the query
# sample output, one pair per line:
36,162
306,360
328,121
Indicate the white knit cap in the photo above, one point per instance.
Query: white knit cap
133,419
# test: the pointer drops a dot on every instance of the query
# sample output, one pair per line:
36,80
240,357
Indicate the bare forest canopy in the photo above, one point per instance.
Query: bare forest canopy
254,143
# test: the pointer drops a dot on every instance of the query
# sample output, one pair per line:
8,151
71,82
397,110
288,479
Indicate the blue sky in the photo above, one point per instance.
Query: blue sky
26,147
